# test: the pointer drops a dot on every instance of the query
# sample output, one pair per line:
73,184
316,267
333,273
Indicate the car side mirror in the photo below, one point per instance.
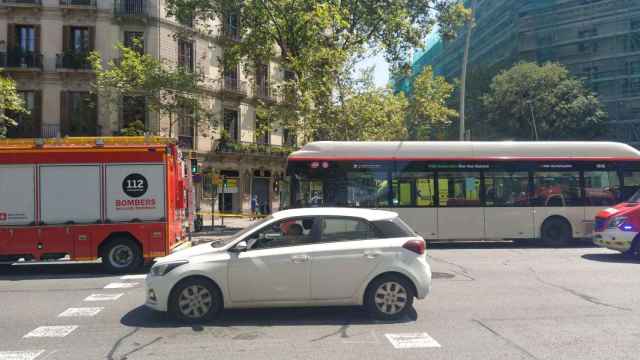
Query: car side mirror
242,246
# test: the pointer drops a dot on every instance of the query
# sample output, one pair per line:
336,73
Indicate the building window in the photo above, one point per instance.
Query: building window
28,124
588,33
25,36
79,114
262,81
186,126
134,40
232,26
263,131
231,78
588,47
185,55
231,122
290,138
134,108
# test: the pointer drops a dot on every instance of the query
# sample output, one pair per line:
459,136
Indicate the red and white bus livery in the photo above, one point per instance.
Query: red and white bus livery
121,199
618,227
450,191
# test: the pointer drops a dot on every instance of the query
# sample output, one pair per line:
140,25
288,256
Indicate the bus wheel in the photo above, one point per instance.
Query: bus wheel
556,232
122,255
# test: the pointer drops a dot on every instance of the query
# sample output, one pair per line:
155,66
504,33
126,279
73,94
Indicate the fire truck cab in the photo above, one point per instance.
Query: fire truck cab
121,199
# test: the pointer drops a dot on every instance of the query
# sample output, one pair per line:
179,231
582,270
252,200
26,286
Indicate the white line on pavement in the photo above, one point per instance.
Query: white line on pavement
20,355
120,285
412,340
134,277
83,311
103,297
51,331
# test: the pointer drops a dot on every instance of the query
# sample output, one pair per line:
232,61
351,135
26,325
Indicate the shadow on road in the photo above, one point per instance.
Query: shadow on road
612,258
146,318
41,271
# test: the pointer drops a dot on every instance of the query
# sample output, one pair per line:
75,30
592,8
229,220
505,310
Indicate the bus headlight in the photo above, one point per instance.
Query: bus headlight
164,268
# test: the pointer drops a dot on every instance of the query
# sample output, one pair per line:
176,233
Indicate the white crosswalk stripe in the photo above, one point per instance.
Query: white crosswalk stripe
20,355
103,297
121,285
51,331
134,277
83,311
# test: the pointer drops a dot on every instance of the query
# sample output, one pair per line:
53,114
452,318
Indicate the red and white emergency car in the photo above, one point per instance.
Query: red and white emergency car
618,227
121,199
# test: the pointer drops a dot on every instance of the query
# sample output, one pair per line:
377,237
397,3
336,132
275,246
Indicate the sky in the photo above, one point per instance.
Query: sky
381,73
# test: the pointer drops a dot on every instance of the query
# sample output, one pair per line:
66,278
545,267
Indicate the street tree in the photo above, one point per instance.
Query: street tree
428,105
11,104
314,40
546,98
168,89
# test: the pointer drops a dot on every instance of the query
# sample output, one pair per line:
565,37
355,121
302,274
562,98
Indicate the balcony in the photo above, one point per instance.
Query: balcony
230,35
73,61
234,87
23,3
81,4
263,92
50,131
250,148
131,9
18,59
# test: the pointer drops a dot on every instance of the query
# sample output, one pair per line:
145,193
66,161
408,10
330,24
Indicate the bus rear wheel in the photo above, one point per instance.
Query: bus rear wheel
121,256
556,232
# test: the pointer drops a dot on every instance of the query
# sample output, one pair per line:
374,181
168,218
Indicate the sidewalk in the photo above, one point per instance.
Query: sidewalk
231,226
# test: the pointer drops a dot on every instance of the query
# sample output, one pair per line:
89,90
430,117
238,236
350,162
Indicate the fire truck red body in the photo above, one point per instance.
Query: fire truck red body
121,199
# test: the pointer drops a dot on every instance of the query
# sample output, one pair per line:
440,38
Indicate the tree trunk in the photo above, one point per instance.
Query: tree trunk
463,78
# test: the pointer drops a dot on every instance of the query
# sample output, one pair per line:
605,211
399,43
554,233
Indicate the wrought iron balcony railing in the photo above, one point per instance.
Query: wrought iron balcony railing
79,3
21,59
73,61
130,8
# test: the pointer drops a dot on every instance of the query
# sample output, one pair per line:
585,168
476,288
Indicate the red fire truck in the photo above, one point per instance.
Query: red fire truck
121,199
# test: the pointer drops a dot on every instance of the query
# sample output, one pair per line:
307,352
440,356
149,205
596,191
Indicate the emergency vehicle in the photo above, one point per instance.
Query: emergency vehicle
121,199
618,227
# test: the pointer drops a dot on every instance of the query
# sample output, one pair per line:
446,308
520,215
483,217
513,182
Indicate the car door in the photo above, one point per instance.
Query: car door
345,253
276,266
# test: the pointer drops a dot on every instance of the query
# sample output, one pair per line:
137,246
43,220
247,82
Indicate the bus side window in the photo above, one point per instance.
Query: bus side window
601,188
631,184
556,189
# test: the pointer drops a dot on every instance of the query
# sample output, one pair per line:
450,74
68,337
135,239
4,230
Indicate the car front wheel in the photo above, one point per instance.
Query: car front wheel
389,297
195,300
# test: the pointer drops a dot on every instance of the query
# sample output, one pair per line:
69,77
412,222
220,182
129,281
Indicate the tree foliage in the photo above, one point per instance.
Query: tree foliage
168,89
428,105
316,40
563,108
10,103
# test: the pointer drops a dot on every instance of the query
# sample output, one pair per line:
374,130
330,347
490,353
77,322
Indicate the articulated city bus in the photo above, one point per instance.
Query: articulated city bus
470,190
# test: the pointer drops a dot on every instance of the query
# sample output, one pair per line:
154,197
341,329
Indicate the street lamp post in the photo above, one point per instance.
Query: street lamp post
533,120
463,77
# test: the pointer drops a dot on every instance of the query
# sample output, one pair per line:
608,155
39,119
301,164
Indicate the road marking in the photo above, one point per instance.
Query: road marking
51,331
134,277
120,285
83,311
103,297
412,340
20,355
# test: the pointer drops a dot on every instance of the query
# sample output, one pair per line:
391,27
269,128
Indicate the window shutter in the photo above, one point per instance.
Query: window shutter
64,116
37,113
11,37
66,39
92,38
36,32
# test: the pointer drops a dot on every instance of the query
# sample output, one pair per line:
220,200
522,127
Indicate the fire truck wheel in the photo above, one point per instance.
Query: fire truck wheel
122,255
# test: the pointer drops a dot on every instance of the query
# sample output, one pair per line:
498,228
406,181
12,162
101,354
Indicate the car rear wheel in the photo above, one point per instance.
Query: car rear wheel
556,232
195,300
389,297
121,256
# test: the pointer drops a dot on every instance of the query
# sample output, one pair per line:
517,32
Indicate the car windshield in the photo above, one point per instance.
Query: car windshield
224,241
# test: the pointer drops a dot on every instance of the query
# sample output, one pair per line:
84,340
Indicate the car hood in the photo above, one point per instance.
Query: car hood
620,209
197,250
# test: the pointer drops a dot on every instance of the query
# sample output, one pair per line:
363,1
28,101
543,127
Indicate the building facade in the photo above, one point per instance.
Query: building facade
44,46
597,40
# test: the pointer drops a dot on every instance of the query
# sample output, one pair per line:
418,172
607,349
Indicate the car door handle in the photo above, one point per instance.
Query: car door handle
371,254
298,259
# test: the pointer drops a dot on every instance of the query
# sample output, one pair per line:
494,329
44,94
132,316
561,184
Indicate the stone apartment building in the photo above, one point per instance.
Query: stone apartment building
43,46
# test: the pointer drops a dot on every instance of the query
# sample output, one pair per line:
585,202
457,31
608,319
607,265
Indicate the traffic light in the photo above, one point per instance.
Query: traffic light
195,168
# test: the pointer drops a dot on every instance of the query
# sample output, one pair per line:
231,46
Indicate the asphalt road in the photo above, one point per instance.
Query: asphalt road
488,302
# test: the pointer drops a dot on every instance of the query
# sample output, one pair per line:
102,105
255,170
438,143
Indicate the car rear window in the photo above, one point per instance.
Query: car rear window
395,227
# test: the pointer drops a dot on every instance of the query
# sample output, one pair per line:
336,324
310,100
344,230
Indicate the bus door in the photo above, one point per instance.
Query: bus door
508,211
460,214
414,199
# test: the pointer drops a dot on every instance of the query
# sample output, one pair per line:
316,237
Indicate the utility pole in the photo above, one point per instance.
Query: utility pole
465,62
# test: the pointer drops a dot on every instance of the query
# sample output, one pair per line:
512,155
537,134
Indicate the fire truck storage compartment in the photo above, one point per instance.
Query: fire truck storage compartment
136,192
70,194
17,184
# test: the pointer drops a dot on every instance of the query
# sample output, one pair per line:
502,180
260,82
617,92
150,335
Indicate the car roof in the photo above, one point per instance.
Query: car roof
367,214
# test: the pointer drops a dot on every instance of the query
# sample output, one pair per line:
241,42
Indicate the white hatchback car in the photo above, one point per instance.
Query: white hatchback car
300,257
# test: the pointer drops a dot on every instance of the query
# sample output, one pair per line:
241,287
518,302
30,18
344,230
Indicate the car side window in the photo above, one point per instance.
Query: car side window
289,232
345,229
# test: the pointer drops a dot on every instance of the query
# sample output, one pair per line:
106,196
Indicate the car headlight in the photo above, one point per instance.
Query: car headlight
621,223
163,268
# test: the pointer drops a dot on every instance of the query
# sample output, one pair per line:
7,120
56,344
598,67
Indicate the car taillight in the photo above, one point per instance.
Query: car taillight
417,246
